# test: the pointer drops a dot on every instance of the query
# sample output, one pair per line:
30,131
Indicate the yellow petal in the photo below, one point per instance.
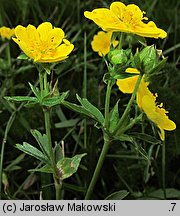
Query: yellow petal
56,36
149,30
64,50
21,33
127,85
44,30
103,17
118,9
137,15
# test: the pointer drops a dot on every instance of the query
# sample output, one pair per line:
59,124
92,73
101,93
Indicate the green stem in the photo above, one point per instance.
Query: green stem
46,110
10,122
8,53
41,82
164,168
45,83
120,41
105,146
98,166
85,87
107,103
126,112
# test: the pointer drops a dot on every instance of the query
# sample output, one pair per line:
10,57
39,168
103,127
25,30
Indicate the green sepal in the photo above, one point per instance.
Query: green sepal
141,40
23,56
91,109
124,75
46,67
137,61
31,150
44,169
148,58
68,166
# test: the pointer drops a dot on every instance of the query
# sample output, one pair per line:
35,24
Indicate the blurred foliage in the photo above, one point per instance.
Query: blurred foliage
124,168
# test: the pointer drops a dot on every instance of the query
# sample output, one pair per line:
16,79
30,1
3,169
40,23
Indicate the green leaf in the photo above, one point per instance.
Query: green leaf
36,91
124,138
44,169
11,166
53,101
141,151
67,123
91,109
114,117
119,195
171,193
22,99
77,108
42,141
58,152
31,150
68,166
146,138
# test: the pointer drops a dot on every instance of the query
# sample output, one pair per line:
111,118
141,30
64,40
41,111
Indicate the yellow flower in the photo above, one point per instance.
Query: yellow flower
122,18
147,102
6,32
101,43
127,85
44,44
156,113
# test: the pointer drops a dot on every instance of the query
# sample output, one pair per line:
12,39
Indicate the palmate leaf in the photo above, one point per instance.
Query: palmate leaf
68,166
31,150
77,108
91,109
42,140
86,109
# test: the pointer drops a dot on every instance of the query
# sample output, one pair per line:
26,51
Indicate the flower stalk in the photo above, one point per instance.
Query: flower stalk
127,110
46,110
105,146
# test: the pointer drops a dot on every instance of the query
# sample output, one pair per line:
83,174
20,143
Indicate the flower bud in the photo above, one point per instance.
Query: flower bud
118,57
148,58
